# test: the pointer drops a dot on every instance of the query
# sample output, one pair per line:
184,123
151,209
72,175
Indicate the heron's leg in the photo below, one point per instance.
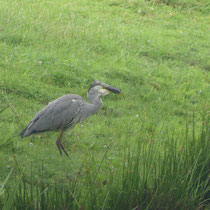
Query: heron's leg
58,141
60,145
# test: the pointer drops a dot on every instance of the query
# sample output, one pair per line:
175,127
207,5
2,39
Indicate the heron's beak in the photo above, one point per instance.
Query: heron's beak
112,89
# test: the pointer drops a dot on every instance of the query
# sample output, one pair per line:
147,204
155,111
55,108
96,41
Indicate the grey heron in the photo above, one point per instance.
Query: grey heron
68,110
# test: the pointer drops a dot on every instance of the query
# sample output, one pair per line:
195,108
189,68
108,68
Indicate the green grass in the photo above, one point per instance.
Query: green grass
148,150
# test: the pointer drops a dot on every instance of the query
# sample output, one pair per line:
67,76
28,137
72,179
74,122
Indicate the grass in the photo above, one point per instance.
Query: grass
148,150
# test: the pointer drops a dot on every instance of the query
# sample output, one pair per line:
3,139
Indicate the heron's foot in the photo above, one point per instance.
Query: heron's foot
58,145
61,147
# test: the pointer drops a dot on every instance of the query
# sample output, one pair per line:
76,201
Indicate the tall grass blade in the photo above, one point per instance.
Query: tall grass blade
4,183
9,202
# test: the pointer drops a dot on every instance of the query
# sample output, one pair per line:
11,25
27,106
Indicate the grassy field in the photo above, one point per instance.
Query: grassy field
146,150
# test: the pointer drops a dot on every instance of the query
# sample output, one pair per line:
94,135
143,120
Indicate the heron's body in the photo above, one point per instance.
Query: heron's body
66,111
62,113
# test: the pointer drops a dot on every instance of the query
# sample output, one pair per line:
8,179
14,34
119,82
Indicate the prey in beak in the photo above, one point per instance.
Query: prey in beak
112,89
106,89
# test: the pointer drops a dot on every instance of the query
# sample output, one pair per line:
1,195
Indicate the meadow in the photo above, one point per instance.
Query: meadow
146,150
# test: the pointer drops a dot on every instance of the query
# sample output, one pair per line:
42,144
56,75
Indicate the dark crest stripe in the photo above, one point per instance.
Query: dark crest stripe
96,83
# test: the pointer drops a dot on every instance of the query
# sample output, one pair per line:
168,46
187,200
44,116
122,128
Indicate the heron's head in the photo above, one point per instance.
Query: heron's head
98,88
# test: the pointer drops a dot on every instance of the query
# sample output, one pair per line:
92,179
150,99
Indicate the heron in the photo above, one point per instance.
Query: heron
68,110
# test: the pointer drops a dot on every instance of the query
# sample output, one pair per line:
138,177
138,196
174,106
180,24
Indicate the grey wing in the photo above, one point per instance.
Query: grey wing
61,113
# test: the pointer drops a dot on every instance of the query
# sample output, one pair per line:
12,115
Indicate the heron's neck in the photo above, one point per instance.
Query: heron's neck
94,100
92,107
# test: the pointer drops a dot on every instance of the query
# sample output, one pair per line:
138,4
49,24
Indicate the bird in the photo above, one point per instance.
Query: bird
67,111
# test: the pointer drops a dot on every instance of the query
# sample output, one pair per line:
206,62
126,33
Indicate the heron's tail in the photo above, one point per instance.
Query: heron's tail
28,130
23,132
